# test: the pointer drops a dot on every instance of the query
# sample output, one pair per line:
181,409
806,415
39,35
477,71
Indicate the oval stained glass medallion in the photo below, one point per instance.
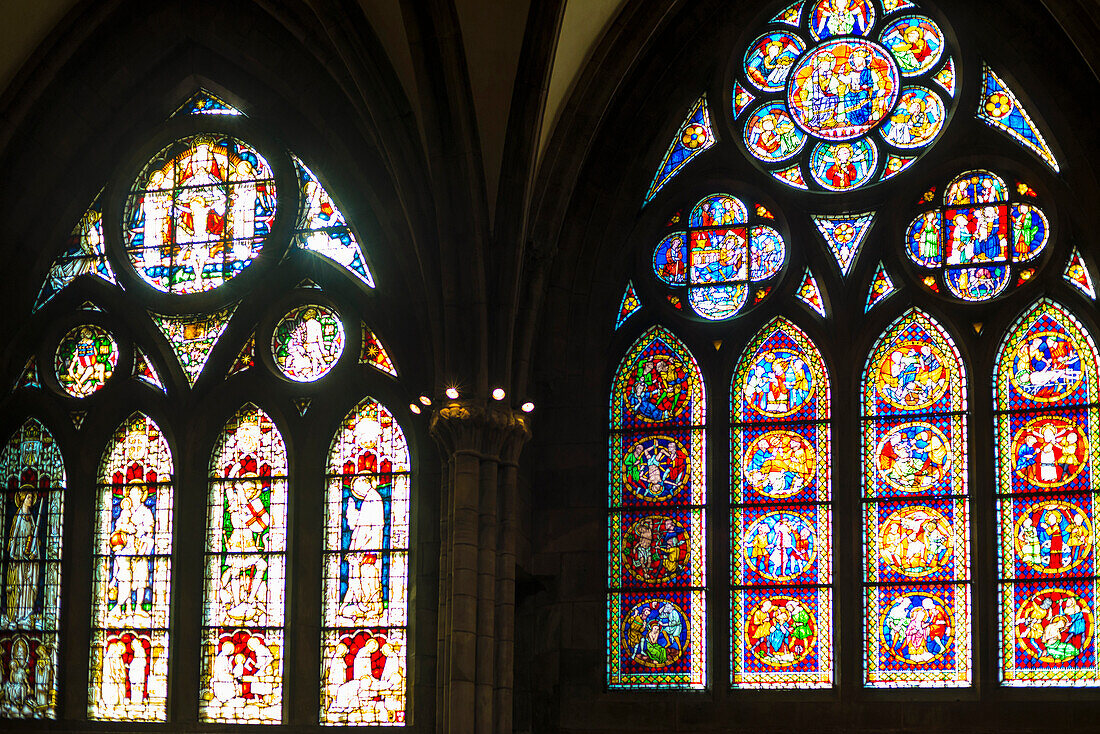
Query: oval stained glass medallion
85,359
845,98
307,343
199,213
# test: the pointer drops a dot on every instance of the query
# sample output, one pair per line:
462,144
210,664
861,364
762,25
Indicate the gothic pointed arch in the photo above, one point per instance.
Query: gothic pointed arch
916,507
781,512
656,613
1046,392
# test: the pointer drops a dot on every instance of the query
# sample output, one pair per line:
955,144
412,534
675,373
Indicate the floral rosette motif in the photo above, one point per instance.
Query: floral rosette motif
834,95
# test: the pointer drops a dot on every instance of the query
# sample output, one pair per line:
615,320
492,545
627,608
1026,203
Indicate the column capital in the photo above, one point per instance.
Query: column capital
492,431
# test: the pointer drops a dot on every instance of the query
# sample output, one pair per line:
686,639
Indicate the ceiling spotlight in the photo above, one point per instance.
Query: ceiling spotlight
414,408
498,394
452,393
527,407
425,400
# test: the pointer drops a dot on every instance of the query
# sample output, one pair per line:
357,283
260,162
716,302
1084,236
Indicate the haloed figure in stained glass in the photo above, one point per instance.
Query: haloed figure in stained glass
30,512
131,538
366,569
246,520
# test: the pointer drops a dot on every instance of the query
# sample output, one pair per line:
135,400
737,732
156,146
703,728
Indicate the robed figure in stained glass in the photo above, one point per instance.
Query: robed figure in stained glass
131,538
246,519
24,572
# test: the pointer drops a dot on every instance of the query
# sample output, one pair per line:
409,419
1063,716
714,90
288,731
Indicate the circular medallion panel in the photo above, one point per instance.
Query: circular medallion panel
85,359
199,213
307,342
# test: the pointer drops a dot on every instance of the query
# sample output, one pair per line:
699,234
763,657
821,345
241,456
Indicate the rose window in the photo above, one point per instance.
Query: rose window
838,94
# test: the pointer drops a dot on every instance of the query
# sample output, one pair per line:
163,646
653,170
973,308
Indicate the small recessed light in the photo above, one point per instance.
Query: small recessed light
414,408
424,399
498,394
527,407
452,393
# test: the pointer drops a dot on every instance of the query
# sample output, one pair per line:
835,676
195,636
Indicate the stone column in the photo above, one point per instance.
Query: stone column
481,442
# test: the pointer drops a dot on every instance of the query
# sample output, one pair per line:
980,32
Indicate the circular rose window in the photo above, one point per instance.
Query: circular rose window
86,358
838,94
307,343
199,213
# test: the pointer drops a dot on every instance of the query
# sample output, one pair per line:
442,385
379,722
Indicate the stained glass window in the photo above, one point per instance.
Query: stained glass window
810,294
845,93
243,615
881,287
656,613
1047,386
725,255
844,234
192,338
199,213
85,359
916,512
1077,274
33,475
979,237
373,353
628,306
132,576
781,513
307,342
85,254
999,108
693,137
366,571
322,228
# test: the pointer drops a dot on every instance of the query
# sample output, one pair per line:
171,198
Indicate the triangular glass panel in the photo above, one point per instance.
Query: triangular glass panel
307,283
78,417
763,212
630,305
789,15
374,354
717,344
810,294
742,98
693,137
83,255
881,287
895,164
203,102
246,358
675,301
844,234
144,370
1000,108
892,6
29,376
322,228
89,306
193,337
302,404
1077,273
791,176
1024,190
945,77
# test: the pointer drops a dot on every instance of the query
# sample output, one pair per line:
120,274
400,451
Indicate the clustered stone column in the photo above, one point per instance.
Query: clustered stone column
481,443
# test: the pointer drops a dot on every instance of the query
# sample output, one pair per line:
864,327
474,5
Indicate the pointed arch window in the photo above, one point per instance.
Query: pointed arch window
33,492
916,511
243,615
781,516
657,565
133,572
1047,427
366,570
